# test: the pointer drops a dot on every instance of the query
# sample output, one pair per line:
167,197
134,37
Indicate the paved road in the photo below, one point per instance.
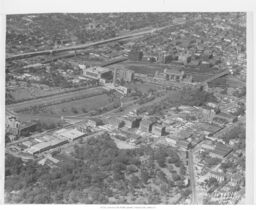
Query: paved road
84,46
192,177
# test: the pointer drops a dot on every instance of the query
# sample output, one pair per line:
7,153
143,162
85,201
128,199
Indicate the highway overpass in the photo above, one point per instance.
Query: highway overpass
216,76
84,46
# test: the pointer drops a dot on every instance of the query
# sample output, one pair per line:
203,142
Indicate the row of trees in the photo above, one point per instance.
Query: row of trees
190,97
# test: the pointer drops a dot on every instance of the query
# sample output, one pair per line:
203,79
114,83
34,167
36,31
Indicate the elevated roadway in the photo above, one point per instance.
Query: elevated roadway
216,76
192,177
84,46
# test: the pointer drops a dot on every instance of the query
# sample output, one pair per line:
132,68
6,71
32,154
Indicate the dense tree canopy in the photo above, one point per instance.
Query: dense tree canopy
95,170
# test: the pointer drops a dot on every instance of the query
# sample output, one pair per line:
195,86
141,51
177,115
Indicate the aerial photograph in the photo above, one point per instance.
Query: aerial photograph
125,108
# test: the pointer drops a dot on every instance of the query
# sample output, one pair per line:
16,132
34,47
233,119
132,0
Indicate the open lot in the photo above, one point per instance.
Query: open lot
123,145
143,87
24,93
82,106
55,98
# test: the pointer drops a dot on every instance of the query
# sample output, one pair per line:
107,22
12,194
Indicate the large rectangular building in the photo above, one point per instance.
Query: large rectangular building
44,146
126,75
98,73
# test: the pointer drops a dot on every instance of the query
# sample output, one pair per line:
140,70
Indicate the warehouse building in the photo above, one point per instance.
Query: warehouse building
44,146
98,73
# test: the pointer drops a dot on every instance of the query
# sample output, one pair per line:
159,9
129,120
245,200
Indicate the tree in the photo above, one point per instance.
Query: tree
212,182
131,169
186,192
162,176
144,176
134,181
175,177
74,110
182,170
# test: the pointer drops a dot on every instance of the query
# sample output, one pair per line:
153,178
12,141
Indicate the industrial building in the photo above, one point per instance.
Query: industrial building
44,146
126,75
47,142
98,73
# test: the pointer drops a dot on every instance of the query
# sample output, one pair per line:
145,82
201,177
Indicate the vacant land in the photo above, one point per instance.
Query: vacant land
123,145
20,93
143,87
82,106
55,98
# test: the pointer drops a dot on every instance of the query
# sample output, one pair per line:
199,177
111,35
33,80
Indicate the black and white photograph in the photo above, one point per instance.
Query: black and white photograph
125,108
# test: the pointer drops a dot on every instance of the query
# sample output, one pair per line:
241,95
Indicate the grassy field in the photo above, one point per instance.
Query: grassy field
82,106
33,92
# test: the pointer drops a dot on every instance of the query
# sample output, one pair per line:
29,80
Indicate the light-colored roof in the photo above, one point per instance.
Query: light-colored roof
98,69
70,133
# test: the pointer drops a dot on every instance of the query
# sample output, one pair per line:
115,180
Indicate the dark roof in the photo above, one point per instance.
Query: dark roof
225,115
27,124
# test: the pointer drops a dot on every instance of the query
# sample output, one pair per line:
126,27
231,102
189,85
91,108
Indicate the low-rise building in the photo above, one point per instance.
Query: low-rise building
44,146
131,122
183,144
70,134
172,140
158,129
220,151
217,175
126,75
98,73
147,124
225,117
